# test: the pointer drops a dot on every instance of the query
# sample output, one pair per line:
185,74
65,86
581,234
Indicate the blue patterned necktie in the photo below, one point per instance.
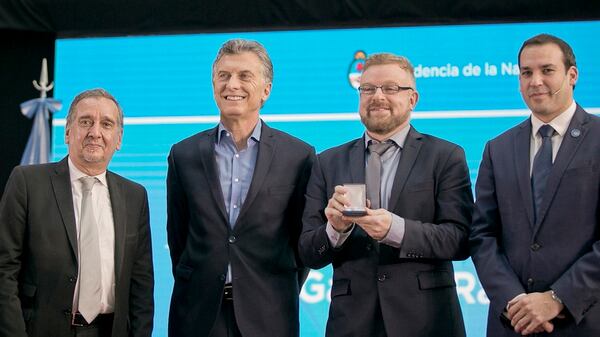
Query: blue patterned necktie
542,165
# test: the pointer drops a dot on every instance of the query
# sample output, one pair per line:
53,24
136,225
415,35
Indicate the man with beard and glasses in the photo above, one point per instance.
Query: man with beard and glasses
535,237
392,266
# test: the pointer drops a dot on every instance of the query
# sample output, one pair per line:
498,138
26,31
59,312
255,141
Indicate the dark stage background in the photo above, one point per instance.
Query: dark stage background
28,29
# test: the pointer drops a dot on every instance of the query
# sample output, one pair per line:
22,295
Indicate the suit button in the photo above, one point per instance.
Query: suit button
536,246
530,281
382,277
232,239
222,277
72,279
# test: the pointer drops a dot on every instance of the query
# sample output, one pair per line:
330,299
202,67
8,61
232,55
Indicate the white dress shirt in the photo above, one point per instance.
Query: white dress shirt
560,124
106,231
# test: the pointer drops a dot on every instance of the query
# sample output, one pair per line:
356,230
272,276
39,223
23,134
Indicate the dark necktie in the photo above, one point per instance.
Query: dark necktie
373,173
89,255
542,165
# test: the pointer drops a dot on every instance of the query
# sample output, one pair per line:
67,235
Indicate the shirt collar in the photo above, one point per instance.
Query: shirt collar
560,123
76,174
255,135
398,138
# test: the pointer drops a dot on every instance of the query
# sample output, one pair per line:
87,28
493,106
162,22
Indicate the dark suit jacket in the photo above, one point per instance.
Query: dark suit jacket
261,247
561,250
38,254
413,285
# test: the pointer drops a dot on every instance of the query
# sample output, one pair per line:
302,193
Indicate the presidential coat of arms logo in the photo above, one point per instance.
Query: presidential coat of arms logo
356,68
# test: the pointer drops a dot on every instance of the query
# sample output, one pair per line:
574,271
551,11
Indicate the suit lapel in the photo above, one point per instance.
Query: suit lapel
521,144
61,184
118,204
408,157
356,161
207,157
266,151
565,154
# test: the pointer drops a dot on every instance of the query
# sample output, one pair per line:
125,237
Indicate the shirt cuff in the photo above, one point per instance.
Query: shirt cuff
336,238
395,235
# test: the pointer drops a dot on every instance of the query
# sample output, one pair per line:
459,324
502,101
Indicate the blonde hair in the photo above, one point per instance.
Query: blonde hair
389,58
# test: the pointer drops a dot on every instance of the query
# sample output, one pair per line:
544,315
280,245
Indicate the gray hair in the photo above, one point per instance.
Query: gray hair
238,46
94,93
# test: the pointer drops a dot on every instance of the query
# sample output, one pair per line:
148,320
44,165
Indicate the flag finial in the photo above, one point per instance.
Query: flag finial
43,87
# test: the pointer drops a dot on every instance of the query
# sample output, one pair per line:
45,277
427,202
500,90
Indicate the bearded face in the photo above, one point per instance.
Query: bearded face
385,113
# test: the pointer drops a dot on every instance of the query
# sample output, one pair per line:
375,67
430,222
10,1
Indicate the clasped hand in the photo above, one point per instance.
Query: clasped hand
532,313
376,223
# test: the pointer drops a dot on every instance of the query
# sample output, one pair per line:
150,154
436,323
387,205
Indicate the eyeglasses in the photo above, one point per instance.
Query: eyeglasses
387,89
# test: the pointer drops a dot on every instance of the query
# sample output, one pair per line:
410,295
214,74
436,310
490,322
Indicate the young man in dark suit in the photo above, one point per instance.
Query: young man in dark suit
536,230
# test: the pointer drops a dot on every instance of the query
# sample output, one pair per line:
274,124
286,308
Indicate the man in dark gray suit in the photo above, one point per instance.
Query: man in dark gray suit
392,268
75,249
235,199
536,230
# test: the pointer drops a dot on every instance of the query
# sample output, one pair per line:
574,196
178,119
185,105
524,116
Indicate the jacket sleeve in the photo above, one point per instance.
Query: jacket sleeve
447,237
297,207
13,223
579,286
314,247
495,273
141,293
177,213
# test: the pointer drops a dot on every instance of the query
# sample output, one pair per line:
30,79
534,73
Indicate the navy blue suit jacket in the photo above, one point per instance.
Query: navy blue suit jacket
261,247
561,250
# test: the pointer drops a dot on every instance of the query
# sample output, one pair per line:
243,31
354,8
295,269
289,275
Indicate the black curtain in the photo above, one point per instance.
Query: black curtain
20,64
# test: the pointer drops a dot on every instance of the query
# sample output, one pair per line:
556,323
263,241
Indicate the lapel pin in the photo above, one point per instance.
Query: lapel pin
575,133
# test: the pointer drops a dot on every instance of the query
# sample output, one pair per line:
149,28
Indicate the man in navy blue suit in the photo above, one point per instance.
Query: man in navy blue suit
235,196
535,232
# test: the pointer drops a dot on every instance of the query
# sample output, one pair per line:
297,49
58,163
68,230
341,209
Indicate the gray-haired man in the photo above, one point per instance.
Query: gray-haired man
235,195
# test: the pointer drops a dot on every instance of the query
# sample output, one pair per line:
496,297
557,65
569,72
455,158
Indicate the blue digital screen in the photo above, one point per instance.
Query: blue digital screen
466,77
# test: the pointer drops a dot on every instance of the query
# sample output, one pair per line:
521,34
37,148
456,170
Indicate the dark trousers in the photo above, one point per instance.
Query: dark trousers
101,327
225,325
378,325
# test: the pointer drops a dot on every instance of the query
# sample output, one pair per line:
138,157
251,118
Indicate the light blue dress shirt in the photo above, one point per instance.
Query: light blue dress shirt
235,171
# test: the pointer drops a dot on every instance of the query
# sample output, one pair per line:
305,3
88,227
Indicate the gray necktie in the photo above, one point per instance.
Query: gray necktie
373,173
89,255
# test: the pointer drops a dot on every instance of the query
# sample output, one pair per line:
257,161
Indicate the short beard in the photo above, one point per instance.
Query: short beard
385,125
